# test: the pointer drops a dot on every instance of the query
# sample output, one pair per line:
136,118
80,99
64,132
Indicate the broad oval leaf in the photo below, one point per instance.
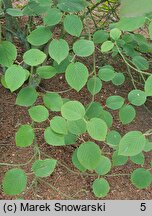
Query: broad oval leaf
8,53
113,138
118,160
148,86
83,48
15,76
127,114
100,187
46,72
94,110
38,113
27,97
58,50
52,17
132,143
138,159
107,117
24,136
140,62
104,166
76,162
94,85
44,168
115,34
53,101
106,73
77,75
73,25
118,79
52,138
89,155
34,57
97,129
59,125
39,36
100,36
73,110
141,178
77,127
14,182
137,97
115,102
107,46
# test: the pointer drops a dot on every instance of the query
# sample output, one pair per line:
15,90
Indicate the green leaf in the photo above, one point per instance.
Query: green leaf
38,113
39,36
73,25
53,17
73,110
104,166
130,24
135,8
44,168
14,182
77,75
148,86
77,127
76,163
94,85
15,76
141,178
107,46
137,97
140,62
58,50
127,114
14,12
52,138
27,97
3,81
118,79
118,160
100,36
71,6
59,125
61,68
100,187
89,155
34,57
83,48
106,73
24,136
113,138
53,101
107,117
115,34
148,146
70,139
138,159
115,102
150,30
132,143
46,72
8,53
93,110
97,129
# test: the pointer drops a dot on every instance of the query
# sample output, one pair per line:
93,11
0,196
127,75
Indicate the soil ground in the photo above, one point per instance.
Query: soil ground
63,183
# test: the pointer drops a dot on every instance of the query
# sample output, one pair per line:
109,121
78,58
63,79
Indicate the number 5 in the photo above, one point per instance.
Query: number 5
143,207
